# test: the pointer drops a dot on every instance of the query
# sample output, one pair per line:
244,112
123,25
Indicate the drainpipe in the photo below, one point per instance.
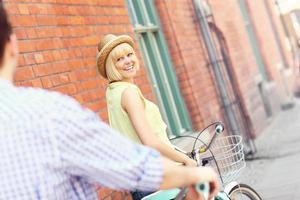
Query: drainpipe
198,5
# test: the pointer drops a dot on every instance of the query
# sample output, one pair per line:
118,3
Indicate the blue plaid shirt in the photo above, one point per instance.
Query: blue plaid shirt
52,148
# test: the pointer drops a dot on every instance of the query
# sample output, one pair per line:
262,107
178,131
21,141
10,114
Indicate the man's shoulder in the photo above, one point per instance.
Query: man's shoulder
38,96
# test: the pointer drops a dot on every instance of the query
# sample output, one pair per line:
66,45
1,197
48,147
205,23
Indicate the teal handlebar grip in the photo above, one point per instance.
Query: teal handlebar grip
203,188
219,128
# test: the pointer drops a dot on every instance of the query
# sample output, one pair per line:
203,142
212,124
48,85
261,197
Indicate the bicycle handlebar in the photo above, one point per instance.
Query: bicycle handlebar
203,188
219,128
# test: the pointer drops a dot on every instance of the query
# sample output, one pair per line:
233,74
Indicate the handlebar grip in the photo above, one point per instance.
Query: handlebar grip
203,188
219,128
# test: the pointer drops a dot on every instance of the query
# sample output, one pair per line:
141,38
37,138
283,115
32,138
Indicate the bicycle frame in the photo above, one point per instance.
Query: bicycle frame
178,194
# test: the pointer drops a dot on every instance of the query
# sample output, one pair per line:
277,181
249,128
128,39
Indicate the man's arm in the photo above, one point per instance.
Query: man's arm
182,176
89,148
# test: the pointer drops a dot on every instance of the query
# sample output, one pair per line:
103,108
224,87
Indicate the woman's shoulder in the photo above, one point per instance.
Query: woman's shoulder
121,86
121,89
131,92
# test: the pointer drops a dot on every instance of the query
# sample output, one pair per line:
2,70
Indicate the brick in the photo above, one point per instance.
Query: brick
93,106
38,57
31,33
45,32
90,84
59,67
12,8
26,46
24,73
68,89
24,20
47,56
45,44
76,20
43,69
37,83
91,41
60,79
20,33
23,9
79,99
90,51
27,83
85,74
21,60
72,77
44,20
90,96
103,115
104,192
64,10
46,82
29,58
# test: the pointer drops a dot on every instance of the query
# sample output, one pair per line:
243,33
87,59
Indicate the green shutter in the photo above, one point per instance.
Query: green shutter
253,41
157,60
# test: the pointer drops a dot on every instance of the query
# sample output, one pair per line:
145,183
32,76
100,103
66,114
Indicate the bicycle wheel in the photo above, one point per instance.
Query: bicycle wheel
243,192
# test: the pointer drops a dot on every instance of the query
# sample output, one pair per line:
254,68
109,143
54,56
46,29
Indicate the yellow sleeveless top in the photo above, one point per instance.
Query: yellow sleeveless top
119,119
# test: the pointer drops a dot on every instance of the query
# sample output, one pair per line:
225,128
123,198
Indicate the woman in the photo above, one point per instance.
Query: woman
128,110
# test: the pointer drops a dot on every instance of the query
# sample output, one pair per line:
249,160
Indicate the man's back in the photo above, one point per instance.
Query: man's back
51,148
29,154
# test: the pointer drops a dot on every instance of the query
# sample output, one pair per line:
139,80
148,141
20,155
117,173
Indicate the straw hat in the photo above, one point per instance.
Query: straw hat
106,45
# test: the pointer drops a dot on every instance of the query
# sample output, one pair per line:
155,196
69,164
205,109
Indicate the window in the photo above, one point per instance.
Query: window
156,57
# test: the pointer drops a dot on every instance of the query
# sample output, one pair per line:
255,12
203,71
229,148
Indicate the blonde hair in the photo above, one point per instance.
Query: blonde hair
110,68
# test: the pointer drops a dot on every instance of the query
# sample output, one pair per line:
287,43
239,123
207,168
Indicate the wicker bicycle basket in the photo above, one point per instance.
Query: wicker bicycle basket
227,157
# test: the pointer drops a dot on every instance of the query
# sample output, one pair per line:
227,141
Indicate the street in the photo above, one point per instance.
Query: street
274,170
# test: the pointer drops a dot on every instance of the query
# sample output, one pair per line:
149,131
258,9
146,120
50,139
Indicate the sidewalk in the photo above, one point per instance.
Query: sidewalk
275,170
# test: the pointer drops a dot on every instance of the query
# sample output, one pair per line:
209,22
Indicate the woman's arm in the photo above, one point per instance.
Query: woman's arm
134,106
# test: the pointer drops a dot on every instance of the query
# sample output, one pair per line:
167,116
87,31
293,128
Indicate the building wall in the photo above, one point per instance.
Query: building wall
270,49
58,45
190,61
285,46
181,29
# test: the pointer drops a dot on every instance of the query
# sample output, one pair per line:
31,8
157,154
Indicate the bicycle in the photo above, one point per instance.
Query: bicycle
225,154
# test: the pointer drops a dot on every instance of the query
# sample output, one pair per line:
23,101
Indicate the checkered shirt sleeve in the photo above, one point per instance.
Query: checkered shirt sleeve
53,148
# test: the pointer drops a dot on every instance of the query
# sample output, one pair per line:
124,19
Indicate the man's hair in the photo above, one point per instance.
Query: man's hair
6,30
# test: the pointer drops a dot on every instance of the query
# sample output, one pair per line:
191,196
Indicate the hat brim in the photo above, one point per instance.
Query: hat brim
102,55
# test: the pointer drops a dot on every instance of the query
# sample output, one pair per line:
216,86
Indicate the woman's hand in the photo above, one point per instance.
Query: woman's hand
190,162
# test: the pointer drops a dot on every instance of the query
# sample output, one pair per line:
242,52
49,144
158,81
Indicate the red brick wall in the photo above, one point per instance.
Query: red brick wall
189,59
58,45
58,40
285,47
181,30
268,46
228,19
279,27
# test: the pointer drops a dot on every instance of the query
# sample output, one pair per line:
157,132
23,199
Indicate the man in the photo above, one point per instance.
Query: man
52,148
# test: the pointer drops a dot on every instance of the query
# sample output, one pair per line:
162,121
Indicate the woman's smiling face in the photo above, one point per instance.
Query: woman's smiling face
126,63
